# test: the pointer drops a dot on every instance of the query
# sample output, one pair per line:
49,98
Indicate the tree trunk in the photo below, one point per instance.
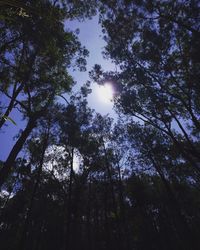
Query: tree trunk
11,104
22,243
9,163
67,223
184,233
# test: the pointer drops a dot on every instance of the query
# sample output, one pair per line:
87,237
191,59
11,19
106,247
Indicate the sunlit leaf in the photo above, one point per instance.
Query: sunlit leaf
10,119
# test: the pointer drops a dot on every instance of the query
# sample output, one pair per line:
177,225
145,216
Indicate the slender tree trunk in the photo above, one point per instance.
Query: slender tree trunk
185,154
193,150
114,202
22,243
88,225
11,105
184,231
67,232
106,234
9,163
16,91
125,244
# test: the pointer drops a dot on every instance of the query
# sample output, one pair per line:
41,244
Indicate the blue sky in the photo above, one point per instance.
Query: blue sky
91,37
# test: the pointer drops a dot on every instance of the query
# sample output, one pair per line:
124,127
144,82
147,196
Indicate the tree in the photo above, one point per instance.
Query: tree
154,46
129,185
34,68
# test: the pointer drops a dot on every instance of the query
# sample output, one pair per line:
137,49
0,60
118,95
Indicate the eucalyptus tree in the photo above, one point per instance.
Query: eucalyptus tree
51,195
34,69
88,134
155,45
30,61
156,155
48,171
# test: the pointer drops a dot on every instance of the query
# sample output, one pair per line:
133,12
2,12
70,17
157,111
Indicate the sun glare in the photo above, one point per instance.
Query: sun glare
105,93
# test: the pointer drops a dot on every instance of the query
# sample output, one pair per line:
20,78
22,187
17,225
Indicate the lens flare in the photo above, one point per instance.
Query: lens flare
105,93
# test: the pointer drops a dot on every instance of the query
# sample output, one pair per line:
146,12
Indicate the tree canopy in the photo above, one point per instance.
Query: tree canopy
76,179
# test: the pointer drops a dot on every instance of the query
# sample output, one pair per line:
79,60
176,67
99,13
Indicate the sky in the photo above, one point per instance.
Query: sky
90,36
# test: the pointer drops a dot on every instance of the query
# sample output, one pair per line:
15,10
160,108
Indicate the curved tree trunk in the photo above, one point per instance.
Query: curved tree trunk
7,167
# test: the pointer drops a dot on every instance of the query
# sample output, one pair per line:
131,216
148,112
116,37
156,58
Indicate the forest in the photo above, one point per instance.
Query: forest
76,179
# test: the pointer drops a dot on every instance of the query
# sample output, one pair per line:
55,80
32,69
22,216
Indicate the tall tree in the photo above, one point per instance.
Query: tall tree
155,46
34,69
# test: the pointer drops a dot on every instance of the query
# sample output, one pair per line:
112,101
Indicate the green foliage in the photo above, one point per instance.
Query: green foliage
154,45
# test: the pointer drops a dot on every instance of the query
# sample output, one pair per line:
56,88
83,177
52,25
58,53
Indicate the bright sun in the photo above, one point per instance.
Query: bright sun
105,92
